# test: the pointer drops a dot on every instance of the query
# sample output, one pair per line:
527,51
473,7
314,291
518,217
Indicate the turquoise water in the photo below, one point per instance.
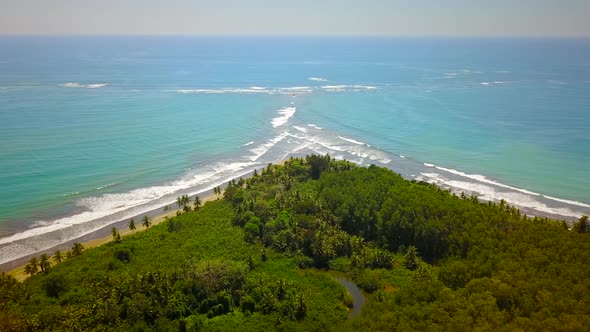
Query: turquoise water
98,129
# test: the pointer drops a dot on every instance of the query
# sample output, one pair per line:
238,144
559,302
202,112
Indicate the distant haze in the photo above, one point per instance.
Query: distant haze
553,18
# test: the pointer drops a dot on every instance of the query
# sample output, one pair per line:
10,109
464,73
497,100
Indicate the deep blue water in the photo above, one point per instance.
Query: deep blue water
97,129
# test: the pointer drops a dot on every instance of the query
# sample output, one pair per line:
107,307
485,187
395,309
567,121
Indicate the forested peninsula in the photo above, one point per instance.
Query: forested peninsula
272,253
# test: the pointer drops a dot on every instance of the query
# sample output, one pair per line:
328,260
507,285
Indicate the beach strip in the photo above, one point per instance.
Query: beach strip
97,238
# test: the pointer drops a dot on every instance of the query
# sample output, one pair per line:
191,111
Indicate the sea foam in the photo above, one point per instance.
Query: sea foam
84,86
314,126
285,115
353,141
345,88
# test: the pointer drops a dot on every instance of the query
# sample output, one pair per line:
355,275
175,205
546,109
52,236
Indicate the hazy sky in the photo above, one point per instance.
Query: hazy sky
298,17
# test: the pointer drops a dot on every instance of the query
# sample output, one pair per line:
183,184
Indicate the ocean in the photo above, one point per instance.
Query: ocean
94,130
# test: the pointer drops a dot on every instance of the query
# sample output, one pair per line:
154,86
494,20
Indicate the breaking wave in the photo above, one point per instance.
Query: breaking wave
285,115
301,138
84,86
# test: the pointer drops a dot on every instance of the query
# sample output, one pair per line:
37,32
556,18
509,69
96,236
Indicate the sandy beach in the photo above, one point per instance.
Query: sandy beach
103,235
98,238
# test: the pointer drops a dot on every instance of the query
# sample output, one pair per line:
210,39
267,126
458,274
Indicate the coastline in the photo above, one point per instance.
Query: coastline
157,215
97,238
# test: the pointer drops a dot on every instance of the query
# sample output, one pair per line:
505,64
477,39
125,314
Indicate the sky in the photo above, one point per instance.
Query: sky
510,18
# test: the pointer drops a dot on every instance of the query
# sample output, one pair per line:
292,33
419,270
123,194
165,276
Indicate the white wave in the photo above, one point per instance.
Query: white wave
107,209
301,129
250,90
223,91
285,115
352,140
342,88
489,193
249,143
484,179
467,71
318,79
433,177
492,83
314,126
517,199
84,86
106,186
359,154
428,165
295,90
402,156
264,148
567,201
451,74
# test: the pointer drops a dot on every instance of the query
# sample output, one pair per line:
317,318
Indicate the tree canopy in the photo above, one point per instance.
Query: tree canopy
266,257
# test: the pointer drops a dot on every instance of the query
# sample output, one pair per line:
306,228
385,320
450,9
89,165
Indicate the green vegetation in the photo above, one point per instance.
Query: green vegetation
266,257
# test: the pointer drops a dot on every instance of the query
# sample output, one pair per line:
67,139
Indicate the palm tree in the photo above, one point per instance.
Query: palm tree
69,254
146,222
34,263
197,203
179,201
115,233
77,249
44,263
58,256
412,258
30,269
132,225
166,208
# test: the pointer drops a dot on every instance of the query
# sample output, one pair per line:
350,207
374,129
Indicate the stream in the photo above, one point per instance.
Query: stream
358,299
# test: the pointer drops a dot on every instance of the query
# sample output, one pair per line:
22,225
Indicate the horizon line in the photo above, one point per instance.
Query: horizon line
298,36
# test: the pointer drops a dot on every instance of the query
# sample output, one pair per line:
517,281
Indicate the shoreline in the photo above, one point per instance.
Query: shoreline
97,238
102,236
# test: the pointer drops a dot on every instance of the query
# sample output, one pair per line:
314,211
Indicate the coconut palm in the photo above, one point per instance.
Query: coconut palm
146,222
77,249
115,234
197,202
58,256
132,225
166,208
30,269
179,201
34,263
44,263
